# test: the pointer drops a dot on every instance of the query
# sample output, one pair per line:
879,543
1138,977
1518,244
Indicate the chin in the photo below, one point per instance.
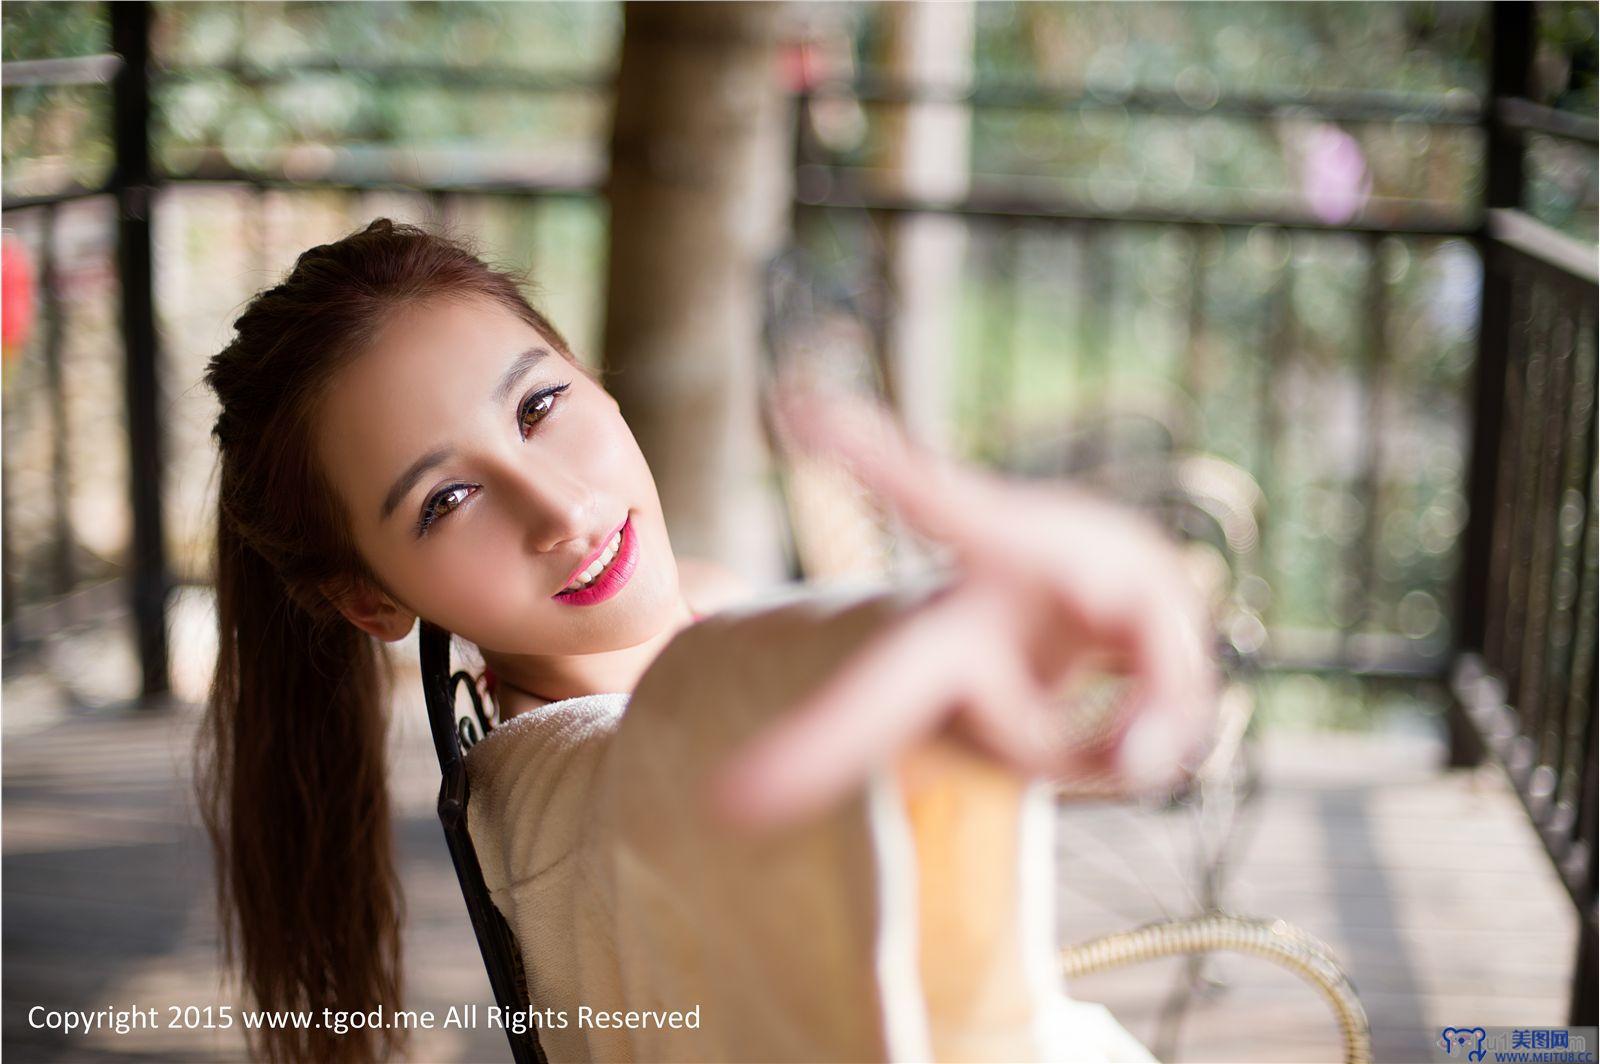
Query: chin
636,621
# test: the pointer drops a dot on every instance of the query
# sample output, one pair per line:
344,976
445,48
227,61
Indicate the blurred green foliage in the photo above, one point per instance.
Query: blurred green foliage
1265,344
30,29
1560,175
1232,47
54,136
442,94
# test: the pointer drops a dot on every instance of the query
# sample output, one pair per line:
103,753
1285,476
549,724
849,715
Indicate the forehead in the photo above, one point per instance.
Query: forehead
448,335
431,355
421,384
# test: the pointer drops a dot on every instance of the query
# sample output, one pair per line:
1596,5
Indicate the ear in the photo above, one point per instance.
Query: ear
370,609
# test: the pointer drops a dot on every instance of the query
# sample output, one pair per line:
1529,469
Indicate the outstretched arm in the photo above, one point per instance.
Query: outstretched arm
1046,582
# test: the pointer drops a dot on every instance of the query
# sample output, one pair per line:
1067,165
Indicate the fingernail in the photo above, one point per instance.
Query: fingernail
1148,756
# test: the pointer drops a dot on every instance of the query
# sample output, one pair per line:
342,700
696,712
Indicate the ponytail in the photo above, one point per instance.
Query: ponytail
291,773
293,787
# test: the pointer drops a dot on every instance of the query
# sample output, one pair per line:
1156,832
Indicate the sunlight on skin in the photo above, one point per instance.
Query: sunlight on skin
533,480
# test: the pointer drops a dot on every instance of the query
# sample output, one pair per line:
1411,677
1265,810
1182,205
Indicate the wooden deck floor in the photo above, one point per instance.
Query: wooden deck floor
1428,885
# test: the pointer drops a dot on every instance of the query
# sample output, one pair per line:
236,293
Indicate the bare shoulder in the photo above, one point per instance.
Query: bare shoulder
710,586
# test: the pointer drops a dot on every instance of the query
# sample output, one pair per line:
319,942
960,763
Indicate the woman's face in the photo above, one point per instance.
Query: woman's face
479,470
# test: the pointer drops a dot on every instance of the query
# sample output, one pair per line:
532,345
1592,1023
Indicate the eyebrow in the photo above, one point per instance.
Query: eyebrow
514,372
407,480
502,391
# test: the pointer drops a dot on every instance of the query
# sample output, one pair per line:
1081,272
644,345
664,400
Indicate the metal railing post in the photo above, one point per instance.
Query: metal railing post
1510,47
133,184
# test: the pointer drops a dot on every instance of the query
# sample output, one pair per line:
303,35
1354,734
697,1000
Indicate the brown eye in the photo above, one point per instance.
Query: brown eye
537,407
448,501
441,505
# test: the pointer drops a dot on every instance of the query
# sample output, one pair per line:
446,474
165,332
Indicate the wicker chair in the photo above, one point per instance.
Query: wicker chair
1281,943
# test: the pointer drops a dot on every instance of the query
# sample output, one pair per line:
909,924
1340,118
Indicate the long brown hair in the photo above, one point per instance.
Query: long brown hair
292,775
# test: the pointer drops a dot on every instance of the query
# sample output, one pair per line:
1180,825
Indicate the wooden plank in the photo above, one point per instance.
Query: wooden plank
1430,886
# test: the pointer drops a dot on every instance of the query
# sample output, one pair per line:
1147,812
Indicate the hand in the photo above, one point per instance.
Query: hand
1048,583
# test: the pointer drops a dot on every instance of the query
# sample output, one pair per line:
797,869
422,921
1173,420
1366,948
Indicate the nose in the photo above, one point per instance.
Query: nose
556,506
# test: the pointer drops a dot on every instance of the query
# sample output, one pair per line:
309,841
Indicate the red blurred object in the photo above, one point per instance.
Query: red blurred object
800,66
17,305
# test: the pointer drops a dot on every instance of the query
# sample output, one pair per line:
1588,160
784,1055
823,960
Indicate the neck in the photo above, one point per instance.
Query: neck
552,677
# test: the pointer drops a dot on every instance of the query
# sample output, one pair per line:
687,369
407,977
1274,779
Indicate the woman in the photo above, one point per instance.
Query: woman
401,435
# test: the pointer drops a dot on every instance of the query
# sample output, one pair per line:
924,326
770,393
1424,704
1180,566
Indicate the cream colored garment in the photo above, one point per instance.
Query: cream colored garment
853,937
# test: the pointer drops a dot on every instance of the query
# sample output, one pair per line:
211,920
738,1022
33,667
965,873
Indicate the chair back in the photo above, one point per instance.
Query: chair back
452,735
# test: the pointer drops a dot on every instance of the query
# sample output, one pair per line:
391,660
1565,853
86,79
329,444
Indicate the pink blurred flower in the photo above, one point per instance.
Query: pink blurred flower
1333,174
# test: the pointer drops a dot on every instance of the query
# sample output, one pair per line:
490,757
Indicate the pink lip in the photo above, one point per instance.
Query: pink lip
612,579
601,549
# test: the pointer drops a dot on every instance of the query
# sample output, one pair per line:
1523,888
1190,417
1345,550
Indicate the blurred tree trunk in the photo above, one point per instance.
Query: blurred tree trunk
699,200
927,148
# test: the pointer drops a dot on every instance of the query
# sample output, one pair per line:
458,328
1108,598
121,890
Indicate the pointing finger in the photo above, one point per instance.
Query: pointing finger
1175,685
1009,715
937,497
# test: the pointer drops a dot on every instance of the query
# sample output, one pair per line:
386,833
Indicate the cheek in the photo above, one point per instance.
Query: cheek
479,582
476,563
460,574
628,468
604,452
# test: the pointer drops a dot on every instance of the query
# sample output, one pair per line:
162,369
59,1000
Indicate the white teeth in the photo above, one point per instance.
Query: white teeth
587,577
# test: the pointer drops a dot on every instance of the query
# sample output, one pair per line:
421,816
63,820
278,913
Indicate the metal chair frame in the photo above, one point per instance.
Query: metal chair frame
452,736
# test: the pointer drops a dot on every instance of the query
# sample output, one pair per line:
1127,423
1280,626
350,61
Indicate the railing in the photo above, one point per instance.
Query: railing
831,197
1528,681
144,579
1522,671
1526,668
48,600
820,190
